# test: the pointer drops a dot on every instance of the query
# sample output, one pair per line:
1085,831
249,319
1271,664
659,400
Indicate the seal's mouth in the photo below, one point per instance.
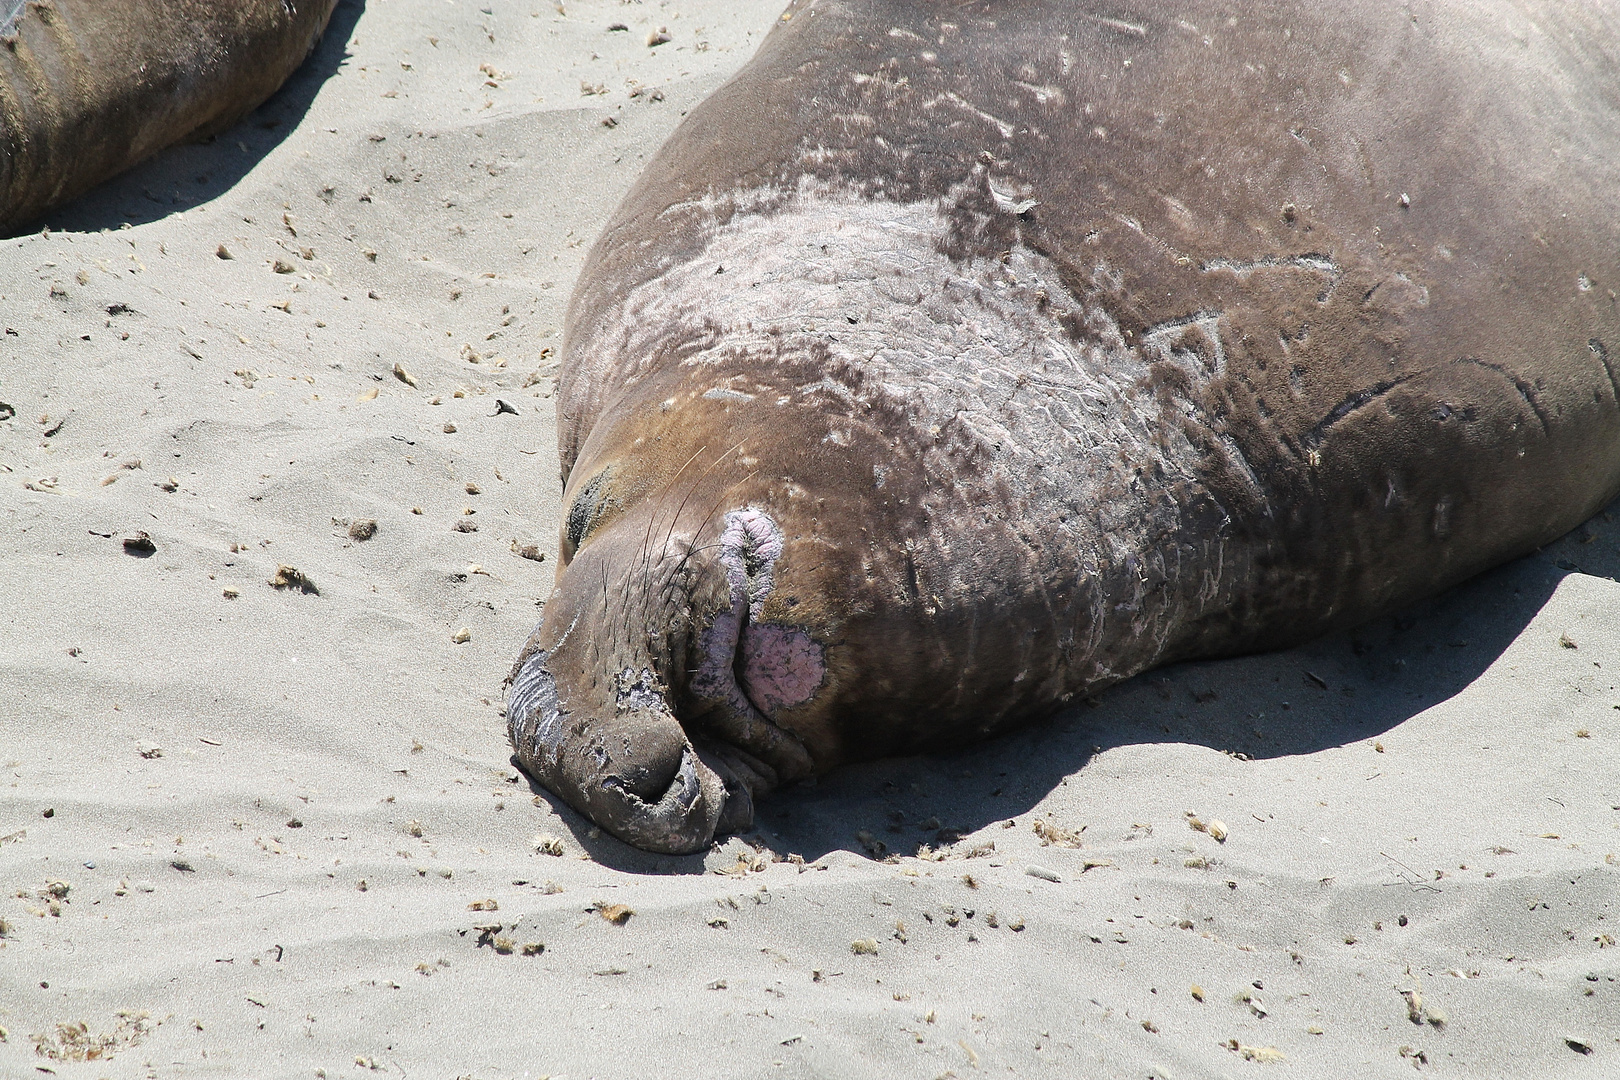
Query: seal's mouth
748,670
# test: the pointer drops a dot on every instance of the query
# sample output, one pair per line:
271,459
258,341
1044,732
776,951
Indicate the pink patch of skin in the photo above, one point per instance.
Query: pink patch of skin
782,666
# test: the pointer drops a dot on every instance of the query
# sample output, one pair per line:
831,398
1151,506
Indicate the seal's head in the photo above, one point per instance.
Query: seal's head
672,679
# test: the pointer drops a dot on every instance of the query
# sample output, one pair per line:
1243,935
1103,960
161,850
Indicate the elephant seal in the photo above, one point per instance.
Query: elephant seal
89,88
954,360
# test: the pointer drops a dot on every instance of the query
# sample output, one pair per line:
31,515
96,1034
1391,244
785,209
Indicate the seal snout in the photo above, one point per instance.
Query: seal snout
652,697
622,759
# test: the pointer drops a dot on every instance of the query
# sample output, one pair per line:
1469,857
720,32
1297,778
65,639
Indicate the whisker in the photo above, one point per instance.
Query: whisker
646,551
716,506
693,490
645,554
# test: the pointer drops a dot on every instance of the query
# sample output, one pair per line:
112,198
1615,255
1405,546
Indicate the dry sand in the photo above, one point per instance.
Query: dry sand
249,831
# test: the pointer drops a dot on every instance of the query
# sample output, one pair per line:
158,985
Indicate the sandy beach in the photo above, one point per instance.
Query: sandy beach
279,504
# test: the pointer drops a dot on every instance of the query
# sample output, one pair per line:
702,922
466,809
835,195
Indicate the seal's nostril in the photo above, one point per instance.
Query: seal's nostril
650,760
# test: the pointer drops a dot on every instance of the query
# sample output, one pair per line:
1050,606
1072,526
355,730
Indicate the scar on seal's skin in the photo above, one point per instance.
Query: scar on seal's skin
535,711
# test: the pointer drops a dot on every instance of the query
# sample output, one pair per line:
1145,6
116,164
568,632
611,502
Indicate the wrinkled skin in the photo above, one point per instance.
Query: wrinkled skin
953,361
89,88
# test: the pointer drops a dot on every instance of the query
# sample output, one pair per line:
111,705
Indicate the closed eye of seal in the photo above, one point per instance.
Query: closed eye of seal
585,513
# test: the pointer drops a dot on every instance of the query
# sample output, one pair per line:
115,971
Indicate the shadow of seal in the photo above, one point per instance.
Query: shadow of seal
952,363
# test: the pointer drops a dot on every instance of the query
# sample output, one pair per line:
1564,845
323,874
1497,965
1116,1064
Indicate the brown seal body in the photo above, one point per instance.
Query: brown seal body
955,360
89,88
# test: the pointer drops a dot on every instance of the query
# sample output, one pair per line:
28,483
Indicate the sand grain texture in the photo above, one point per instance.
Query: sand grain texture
273,819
